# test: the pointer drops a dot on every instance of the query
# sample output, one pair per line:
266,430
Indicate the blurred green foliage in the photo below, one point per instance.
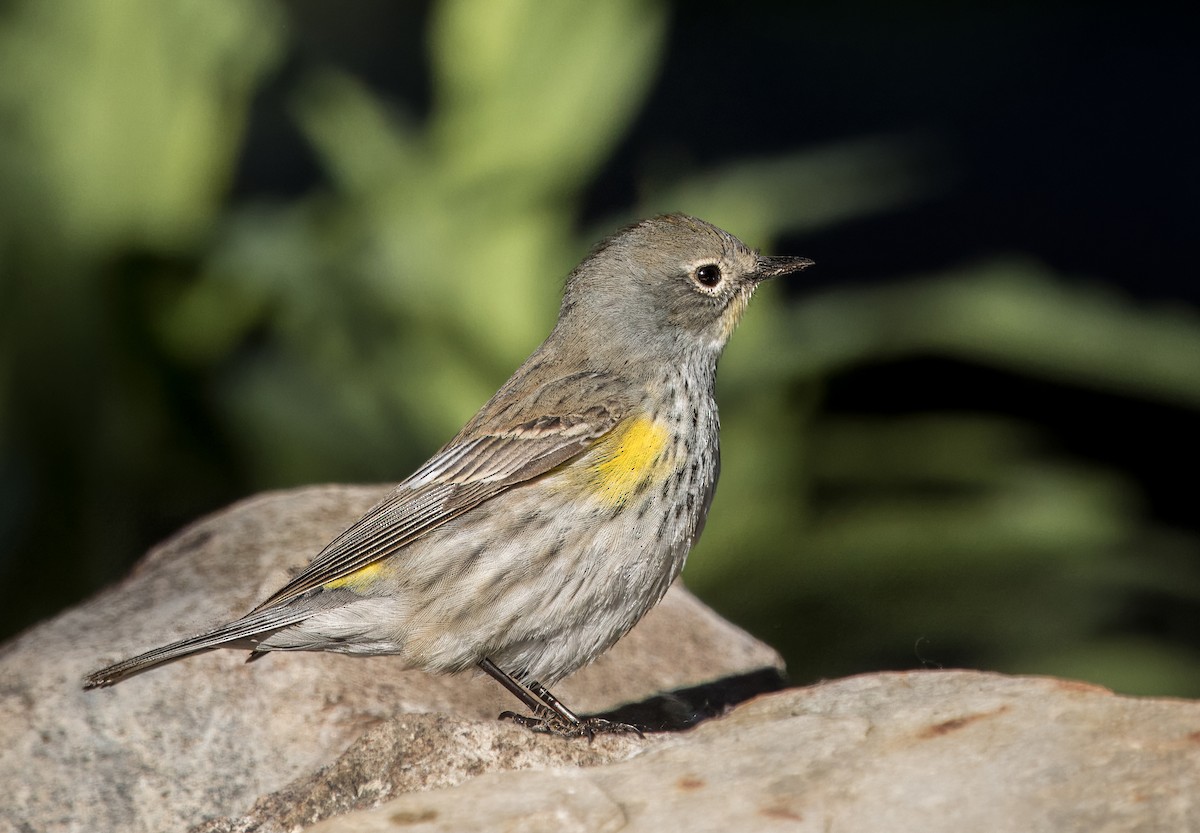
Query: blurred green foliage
163,350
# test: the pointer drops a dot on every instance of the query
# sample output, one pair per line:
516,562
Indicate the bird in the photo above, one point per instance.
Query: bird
561,513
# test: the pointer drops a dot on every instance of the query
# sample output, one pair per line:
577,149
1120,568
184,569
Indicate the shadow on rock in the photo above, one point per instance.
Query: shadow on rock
683,708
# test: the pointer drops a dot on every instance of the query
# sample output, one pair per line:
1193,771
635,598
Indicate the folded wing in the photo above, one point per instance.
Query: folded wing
455,480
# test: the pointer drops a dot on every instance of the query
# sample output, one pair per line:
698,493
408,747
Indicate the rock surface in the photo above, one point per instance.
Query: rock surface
917,752
336,744
205,738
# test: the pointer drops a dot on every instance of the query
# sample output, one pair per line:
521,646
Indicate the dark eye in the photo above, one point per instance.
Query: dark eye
709,274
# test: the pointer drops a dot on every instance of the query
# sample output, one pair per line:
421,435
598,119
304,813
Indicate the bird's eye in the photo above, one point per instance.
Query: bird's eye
709,275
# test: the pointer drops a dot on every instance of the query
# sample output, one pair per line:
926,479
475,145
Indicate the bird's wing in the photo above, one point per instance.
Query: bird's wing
458,478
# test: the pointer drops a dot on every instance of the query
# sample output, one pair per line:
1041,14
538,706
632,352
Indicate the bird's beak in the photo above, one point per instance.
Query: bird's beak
775,267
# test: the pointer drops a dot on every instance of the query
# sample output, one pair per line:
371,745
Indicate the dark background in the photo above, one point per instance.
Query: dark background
1059,134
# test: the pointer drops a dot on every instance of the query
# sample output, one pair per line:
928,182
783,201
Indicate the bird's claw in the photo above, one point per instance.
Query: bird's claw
550,723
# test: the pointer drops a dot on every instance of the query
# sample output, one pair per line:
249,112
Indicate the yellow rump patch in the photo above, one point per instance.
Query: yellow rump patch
627,458
357,581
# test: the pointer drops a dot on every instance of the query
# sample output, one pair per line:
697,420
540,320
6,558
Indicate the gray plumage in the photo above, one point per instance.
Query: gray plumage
561,513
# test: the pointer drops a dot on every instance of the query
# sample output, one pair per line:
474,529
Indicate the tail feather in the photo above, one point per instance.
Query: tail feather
246,630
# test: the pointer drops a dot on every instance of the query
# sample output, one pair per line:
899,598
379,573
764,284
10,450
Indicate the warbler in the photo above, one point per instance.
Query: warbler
564,509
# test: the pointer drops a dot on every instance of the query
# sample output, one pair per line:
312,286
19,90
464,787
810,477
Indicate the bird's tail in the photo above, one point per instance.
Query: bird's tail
246,631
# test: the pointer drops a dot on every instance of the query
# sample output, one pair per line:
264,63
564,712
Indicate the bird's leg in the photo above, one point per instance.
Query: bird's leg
550,715
515,687
545,718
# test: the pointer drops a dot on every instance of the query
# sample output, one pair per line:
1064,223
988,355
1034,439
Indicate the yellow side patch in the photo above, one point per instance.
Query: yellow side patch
626,458
359,580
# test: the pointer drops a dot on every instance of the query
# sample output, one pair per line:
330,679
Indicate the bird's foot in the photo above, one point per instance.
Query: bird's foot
588,727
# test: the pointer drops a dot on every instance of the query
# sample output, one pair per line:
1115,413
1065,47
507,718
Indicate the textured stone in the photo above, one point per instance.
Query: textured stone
412,753
920,752
204,738
335,744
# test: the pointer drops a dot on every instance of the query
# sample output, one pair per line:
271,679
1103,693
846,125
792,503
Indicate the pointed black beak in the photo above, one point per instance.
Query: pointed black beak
775,267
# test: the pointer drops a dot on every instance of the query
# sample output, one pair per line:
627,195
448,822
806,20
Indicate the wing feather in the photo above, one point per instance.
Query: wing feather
457,479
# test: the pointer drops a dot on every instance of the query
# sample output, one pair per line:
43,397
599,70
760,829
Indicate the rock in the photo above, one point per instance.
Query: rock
412,753
204,738
332,744
918,752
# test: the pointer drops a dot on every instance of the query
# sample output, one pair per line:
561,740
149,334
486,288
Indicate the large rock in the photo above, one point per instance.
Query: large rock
335,744
206,737
918,752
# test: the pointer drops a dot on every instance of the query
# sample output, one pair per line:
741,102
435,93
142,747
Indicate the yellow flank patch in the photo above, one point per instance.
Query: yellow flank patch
626,458
359,580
